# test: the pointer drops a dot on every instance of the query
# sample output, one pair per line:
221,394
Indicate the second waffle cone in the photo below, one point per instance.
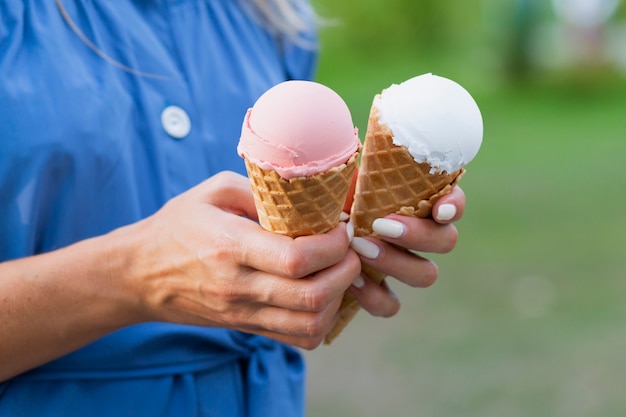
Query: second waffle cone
389,181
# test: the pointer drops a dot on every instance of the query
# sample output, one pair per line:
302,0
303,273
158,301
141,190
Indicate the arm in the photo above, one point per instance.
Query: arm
54,303
196,261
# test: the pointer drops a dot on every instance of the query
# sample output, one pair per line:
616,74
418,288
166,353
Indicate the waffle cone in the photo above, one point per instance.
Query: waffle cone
304,205
389,181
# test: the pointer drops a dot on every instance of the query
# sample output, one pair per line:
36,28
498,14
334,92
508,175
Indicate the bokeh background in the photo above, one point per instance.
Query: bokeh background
528,317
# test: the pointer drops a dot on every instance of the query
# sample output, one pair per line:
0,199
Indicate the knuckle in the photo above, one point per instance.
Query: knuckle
294,262
264,294
316,327
223,179
224,294
229,295
223,303
221,250
316,298
314,331
311,343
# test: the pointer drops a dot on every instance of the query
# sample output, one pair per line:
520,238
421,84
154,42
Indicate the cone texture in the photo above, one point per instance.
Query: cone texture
300,206
389,181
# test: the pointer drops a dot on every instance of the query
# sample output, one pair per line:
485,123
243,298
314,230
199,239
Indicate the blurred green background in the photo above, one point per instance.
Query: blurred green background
528,317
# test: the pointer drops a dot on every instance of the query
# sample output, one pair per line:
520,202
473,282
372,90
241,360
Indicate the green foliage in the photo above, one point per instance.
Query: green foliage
374,27
528,316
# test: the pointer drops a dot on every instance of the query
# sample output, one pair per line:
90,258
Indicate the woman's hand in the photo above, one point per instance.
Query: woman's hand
389,254
198,260
202,259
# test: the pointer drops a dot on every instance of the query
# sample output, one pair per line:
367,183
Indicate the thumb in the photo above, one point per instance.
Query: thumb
230,192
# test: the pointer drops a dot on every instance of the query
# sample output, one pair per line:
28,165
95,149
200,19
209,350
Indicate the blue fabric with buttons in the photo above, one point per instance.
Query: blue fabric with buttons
87,146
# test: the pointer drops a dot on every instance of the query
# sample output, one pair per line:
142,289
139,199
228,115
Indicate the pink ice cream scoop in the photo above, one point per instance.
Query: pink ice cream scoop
298,129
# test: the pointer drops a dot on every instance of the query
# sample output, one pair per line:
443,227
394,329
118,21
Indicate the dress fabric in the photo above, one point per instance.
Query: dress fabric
85,148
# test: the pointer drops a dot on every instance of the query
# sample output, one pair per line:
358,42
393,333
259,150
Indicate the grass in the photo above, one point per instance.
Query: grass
527,318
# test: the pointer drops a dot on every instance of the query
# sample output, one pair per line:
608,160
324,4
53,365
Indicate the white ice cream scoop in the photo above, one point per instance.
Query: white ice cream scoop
435,118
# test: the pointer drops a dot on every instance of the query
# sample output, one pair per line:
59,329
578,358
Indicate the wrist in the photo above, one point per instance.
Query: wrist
121,273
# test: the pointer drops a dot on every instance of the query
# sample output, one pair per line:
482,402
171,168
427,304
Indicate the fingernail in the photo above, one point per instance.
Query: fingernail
350,231
344,216
365,248
388,228
446,212
359,282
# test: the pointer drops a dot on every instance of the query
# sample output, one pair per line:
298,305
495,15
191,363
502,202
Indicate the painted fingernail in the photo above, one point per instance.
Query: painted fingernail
446,212
388,228
359,282
350,231
365,248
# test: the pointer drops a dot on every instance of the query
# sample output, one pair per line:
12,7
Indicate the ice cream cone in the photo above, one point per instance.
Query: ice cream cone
389,181
300,206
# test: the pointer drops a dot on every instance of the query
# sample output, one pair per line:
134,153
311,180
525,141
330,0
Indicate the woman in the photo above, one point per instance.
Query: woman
134,280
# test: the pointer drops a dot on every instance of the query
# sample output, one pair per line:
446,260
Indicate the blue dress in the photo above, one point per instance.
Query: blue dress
87,146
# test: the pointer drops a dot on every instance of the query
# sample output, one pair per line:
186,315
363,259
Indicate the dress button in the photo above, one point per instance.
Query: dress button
176,122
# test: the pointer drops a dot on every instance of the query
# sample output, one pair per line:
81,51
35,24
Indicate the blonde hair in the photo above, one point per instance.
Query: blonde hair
291,19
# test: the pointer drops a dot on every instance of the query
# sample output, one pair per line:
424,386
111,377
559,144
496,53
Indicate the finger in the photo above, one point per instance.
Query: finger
377,299
313,293
450,208
407,267
303,329
229,191
424,235
281,255
401,264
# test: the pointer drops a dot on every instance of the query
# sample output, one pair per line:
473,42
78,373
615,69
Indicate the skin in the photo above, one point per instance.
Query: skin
420,235
203,260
